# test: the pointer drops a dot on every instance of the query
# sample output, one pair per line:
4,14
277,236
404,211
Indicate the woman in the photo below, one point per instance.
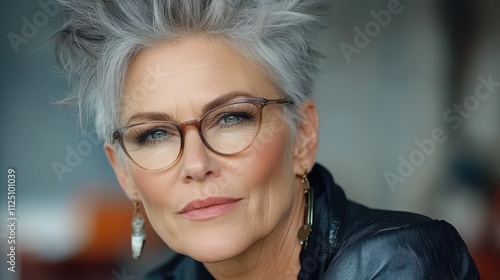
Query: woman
206,112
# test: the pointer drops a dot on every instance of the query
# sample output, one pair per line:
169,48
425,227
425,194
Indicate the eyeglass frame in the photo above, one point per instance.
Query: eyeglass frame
259,102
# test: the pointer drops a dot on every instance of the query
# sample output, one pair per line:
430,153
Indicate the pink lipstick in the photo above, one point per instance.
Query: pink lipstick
208,208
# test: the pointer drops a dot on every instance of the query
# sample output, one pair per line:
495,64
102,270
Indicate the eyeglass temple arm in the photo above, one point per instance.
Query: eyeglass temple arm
279,101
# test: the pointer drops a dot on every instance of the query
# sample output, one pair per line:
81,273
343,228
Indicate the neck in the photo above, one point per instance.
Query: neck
277,256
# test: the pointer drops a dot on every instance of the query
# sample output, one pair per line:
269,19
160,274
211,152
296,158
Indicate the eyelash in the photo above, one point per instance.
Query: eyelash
247,116
141,135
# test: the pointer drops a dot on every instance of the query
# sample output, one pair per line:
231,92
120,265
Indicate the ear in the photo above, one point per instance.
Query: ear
306,142
121,172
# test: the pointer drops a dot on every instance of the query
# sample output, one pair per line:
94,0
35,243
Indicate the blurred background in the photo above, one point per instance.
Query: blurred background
409,103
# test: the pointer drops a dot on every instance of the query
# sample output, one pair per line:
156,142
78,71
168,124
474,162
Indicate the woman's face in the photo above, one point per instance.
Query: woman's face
257,187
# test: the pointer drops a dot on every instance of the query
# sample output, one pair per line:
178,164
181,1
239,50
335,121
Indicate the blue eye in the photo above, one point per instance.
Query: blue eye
231,119
158,134
152,136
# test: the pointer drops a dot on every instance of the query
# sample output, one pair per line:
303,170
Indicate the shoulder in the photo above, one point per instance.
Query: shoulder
398,245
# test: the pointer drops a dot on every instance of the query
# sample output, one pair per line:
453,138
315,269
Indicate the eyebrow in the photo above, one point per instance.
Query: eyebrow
162,116
150,116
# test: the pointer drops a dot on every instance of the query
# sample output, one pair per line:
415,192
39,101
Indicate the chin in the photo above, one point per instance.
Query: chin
213,249
216,242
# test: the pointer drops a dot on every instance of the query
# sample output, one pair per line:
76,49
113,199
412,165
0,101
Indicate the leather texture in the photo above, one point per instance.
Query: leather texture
351,241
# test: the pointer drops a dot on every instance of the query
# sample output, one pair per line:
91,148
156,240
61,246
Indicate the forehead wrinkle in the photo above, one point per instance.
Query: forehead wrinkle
184,109
219,69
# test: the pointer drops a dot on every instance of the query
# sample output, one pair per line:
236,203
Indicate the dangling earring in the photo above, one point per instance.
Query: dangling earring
138,231
306,228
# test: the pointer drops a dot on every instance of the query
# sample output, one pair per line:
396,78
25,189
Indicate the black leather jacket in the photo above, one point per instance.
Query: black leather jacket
350,241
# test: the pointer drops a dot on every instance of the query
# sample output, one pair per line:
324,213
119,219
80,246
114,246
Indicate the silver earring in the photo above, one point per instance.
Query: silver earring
138,231
306,228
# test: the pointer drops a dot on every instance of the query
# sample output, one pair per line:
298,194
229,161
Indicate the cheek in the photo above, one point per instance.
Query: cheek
271,175
273,150
152,186
155,189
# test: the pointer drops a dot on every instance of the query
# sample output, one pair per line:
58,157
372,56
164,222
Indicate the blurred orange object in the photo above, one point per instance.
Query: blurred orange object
105,217
109,233
487,254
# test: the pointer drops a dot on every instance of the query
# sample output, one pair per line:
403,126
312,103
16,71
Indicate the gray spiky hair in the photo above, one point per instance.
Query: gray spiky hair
99,38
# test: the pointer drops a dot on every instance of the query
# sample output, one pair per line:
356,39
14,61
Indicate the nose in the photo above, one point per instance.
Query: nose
197,161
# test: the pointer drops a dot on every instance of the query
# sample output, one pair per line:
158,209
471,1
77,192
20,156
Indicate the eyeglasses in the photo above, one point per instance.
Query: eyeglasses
227,130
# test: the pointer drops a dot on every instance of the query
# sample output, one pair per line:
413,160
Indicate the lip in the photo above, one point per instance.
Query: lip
208,208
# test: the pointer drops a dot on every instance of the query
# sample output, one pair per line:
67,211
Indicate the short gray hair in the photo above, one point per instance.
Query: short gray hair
99,38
